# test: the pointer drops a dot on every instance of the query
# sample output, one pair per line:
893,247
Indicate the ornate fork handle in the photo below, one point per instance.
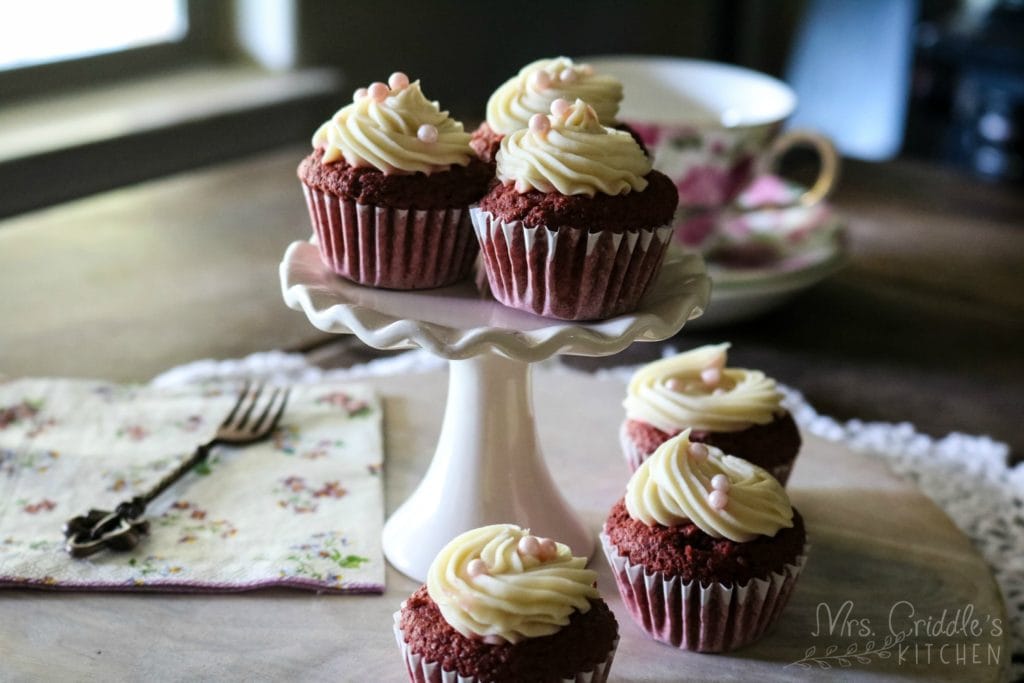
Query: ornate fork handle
124,527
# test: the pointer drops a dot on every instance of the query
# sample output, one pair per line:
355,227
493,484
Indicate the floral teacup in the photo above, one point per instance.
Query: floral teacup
712,128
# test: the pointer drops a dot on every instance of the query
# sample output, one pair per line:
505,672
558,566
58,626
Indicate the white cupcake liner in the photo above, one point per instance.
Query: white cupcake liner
689,616
391,248
635,457
422,671
570,274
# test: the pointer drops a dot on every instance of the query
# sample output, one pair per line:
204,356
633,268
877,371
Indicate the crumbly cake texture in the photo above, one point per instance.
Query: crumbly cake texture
768,445
486,143
651,208
688,552
457,187
578,647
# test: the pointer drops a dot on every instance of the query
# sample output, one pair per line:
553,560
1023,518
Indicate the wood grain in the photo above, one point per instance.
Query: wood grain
876,541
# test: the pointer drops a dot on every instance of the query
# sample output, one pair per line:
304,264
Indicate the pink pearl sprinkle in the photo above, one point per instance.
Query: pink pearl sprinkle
540,124
541,79
718,499
567,76
359,94
529,545
675,384
427,133
494,640
548,550
476,567
398,80
720,482
698,451
711,376
378,91
560,106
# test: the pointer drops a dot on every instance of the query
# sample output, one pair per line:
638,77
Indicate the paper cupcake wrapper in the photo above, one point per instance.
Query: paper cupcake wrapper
689,616
635,457
422,671
570,274
391,248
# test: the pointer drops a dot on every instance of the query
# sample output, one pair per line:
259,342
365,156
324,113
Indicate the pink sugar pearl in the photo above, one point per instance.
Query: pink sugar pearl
529,545
711,376
720,482
567,76
675,384
539,124
427,133
718,500
548,550
541,80
494,640
476,567
398,81
378,91
359,94
560,106
698,451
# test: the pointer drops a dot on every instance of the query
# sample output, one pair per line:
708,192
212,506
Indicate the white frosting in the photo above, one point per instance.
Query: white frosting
523,95
671,394
572,153
402,132
725,496
513,594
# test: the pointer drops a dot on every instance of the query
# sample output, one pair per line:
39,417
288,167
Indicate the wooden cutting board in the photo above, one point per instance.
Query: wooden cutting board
880,550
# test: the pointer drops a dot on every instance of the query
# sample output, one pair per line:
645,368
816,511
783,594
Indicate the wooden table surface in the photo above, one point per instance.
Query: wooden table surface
881,564
924,325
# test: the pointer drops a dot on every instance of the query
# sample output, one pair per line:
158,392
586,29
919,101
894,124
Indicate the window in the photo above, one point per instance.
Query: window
44,31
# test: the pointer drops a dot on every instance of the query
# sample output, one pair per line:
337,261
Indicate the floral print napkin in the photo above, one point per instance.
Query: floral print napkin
303,509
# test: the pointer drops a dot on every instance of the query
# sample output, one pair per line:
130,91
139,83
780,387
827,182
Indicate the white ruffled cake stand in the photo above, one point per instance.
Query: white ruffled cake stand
488,466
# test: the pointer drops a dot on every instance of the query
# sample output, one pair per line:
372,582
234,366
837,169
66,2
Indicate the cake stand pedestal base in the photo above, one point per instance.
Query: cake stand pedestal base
487,469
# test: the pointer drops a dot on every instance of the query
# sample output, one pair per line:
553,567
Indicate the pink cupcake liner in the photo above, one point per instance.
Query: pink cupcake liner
570,274
635,457
391,248
422,671
689,616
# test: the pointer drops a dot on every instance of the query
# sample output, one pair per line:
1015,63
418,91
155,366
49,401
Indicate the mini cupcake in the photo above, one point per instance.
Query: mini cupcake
388,187
532,91
739,411
502,605
705,547
579,224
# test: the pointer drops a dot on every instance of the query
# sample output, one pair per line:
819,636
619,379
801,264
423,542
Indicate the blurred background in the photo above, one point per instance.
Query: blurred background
99,94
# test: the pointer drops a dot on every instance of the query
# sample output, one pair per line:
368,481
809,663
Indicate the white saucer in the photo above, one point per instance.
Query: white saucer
741,293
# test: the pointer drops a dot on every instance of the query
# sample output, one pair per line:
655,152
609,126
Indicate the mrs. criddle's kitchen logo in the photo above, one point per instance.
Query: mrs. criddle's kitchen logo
957,638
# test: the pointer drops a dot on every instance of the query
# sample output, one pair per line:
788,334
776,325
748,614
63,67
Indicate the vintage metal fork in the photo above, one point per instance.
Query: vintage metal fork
123,528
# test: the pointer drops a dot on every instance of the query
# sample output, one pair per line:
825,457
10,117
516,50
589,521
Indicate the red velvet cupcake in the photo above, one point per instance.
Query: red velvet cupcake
705,548
388,187
737,410
502,606
579,224
534,89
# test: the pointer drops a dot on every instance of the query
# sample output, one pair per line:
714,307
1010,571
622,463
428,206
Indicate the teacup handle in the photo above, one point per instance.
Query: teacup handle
828,157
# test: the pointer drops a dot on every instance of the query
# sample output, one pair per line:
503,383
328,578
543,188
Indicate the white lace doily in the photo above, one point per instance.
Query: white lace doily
967,476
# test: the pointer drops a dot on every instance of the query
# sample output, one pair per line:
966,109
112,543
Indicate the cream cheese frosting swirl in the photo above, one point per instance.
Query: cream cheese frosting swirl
540,83
725,496
501,584
572,153
396,130
695,389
